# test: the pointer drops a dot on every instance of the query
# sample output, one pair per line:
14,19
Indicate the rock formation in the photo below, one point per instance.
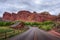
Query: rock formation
28,16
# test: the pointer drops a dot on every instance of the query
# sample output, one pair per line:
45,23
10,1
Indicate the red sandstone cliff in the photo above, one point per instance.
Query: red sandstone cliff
28,16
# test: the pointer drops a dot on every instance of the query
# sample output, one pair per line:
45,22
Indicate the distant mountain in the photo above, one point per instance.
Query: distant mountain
29,16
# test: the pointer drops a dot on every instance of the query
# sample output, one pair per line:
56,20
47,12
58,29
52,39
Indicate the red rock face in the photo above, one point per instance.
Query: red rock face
13,16
7,16
28,16
23,15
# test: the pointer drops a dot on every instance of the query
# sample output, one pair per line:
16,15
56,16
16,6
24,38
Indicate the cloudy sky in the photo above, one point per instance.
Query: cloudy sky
52,6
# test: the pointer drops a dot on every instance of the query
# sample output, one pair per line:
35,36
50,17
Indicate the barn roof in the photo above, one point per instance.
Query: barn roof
14,25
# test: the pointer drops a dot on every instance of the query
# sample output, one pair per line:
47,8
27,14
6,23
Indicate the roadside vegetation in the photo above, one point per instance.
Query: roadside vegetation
4,23
57,27
47,25
6,32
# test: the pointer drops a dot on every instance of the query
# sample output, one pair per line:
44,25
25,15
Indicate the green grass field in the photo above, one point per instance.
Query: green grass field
6,32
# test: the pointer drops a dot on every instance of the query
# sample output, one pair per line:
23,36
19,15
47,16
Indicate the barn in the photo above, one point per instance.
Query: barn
18,25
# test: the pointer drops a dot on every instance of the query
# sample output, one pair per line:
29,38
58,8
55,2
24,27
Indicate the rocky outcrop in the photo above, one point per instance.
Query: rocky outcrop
28,16
7,16
58,17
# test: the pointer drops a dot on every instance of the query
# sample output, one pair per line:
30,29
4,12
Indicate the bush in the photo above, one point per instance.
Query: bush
47,22
46,27
3,23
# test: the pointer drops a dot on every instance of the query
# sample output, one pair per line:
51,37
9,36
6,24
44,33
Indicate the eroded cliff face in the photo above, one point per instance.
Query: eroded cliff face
28,16
6,16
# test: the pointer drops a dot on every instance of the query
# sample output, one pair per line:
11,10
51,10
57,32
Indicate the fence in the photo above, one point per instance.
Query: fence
7,35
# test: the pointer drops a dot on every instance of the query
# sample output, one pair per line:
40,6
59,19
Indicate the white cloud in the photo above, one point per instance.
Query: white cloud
37,1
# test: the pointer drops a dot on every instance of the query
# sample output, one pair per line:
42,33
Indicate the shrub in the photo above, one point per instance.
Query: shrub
3,23
46,27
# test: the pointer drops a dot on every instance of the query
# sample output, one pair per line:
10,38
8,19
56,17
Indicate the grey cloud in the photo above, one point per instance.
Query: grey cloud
52,6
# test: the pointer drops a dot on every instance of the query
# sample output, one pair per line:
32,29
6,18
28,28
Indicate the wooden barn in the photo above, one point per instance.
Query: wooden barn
18,25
